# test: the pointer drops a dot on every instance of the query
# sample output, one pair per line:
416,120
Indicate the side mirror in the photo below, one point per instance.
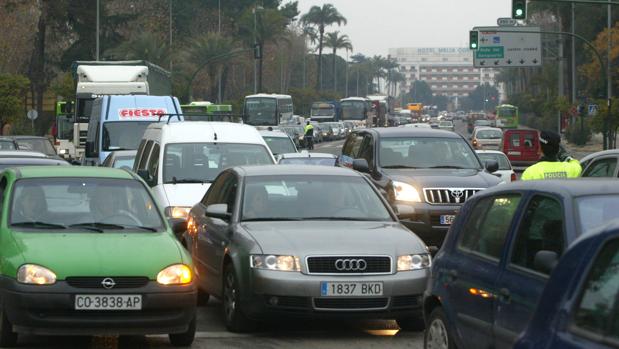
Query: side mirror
545,261
218,211
179,226
492,166
361,165
145,176
76,163
404,211
433,250
90,150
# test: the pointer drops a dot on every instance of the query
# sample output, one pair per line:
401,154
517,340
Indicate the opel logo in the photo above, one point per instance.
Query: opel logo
108,283
351,264
457,193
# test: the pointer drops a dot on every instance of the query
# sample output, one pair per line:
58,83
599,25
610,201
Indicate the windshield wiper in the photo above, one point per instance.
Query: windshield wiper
189,180
97,226
141,227
337,219
451,166
270,219
37,224
398,166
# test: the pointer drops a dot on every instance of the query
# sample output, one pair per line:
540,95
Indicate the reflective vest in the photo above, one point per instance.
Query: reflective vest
309,130
553,170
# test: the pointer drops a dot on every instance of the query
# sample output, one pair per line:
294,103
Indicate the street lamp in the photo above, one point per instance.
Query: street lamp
254,11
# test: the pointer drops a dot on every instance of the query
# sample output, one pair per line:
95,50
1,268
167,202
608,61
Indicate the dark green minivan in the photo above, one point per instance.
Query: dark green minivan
86,251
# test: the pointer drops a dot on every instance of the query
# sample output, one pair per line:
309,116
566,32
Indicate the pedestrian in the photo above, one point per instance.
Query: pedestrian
555,164
309,135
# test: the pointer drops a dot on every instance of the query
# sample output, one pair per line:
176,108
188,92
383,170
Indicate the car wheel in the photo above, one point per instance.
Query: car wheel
234,318
203,297
412,323
438,335
8,338
184,339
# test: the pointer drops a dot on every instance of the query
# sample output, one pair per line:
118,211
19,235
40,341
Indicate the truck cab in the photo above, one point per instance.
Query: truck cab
118,122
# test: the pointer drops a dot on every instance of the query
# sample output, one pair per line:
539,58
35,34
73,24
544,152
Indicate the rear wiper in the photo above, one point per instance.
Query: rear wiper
398,166
271,219
97,226
37,224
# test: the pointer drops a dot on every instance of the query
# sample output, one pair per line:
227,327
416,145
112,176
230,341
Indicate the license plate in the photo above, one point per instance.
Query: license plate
447,219
514,153
108,302
348,289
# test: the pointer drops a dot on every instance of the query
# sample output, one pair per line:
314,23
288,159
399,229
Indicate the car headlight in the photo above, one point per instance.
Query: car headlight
275,262
177,211
176,274
35,274
414,262
405,192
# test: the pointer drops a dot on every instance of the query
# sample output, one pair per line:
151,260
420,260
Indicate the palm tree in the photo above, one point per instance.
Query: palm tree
337,41
308,34
322,17
144,46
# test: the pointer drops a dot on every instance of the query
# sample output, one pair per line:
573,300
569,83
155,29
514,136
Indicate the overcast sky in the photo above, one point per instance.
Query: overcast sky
375,26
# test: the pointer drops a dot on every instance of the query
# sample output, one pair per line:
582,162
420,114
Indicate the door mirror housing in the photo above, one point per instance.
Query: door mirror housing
361,165
90,150
218,211
491,166
179,226
545,261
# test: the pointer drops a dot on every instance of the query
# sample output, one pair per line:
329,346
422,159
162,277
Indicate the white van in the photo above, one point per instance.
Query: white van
180,160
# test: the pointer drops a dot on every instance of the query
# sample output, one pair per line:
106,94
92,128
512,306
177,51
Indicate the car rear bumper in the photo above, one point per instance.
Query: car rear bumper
425,222
297,294
50,310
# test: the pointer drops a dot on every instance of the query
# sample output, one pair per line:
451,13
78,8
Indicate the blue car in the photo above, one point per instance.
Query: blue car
578,308
497,257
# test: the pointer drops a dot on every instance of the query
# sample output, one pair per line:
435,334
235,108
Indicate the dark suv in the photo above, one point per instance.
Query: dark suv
425,174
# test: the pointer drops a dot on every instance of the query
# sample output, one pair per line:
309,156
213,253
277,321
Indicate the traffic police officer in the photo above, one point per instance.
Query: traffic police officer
309,135
555,164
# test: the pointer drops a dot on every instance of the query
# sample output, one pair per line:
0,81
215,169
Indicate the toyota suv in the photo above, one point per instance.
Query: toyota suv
428,174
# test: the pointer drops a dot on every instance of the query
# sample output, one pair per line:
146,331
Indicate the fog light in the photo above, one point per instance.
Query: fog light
273,301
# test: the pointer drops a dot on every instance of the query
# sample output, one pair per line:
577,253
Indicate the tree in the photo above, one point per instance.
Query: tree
440,101
484,97
321,17
12,90
421,92
336,42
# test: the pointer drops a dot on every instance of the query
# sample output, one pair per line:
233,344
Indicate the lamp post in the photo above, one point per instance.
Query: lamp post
97,30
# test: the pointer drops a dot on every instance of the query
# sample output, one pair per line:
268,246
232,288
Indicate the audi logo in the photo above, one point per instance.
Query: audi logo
351,264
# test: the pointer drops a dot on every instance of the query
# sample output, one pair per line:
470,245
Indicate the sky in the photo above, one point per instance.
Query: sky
375,26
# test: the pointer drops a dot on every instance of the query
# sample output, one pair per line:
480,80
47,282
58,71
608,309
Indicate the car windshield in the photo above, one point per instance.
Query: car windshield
489,134
123,135
7,145
446,123
482,123
595,211
202,162
500,158
302,197
124,162
426,152
98,204
261,111
42,145
280,145
308,161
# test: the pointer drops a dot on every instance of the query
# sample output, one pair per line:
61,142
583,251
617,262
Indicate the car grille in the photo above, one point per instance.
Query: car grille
350,303
448,196
326,265
96,281
410,301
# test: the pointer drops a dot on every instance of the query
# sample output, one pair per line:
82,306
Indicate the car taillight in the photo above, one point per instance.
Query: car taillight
514,178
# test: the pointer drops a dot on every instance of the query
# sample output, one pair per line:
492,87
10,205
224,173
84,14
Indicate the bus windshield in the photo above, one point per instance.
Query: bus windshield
260,111
353,110
506,112
323,110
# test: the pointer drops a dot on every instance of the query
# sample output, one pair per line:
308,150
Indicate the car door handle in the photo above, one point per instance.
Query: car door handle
504,295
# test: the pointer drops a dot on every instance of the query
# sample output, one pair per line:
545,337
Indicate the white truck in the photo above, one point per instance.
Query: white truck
95,79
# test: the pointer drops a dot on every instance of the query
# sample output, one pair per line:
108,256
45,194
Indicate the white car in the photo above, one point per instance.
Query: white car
418,125
505,171
446,125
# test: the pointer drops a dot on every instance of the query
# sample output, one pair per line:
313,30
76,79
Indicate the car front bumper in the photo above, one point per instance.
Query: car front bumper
299,294
50,310
425,221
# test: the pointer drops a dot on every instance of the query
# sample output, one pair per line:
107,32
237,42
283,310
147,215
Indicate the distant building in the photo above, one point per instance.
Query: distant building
448,70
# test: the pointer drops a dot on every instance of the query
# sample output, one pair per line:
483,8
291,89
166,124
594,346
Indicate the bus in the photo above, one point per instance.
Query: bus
416,111
507,116
325,111
207,111
268,110
356,109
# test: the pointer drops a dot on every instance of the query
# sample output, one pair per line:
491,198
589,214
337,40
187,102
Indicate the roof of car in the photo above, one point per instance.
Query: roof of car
490,152
207,131
571,187
307,155
26,137
124,153
69,171
273,133
29,161
289,170
480,128
386,132
22,154
600,153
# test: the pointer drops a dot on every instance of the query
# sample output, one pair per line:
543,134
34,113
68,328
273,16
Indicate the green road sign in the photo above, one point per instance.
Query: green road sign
490,52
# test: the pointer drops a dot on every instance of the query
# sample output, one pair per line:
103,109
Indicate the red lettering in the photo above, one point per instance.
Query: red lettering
123,112
138,112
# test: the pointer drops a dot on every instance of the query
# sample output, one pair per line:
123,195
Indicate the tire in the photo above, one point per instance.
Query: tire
8,338
234,318
184,339
203,298
438,335
412,323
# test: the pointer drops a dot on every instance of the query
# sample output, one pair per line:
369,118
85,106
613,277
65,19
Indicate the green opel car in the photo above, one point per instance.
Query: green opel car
86,251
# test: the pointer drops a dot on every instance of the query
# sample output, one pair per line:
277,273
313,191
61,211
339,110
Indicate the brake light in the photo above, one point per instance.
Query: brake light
514,178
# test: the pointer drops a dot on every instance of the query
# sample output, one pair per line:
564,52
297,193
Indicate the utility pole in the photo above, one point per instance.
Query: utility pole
560,87
255,59
170,35
220,68
609,91
97,30
573,47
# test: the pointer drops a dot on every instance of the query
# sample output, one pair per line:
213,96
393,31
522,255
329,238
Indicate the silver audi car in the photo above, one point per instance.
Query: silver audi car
308,241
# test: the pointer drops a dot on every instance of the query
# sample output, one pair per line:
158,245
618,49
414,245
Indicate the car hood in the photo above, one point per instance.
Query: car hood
334,237
443,178
185,194
100,254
